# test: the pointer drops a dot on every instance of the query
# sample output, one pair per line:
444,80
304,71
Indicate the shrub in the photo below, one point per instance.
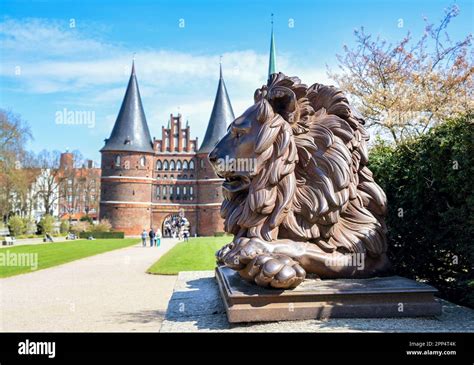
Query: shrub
102,234
103,226
428,182
46,224
64,226
86,218
80,227
16,225
30,226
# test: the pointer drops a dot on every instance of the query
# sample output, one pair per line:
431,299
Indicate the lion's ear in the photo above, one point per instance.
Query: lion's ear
284,102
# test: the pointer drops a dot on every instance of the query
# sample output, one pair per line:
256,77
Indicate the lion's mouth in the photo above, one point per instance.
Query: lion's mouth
234,183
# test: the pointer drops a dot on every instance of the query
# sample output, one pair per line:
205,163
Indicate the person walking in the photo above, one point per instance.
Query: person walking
144,236
158,238
152,236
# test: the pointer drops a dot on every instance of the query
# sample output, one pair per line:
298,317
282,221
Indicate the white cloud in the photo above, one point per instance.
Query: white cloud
82,71
76,70
33,36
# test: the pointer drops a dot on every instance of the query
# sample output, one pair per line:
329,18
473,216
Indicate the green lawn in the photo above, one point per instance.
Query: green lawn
197,254
42,256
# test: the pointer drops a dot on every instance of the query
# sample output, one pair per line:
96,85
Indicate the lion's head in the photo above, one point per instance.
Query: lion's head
294,165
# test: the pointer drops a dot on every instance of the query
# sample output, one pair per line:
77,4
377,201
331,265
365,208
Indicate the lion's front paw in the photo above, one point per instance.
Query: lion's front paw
223,251
277,271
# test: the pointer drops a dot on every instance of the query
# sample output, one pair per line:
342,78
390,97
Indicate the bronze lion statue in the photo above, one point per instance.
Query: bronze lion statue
309,205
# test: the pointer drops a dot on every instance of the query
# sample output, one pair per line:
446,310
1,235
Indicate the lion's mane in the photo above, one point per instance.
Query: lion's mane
311,183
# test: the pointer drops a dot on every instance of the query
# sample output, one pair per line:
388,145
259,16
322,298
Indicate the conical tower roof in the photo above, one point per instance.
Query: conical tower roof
222,115
130,132
272,58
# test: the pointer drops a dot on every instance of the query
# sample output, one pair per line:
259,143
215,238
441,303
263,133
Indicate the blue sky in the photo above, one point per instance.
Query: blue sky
76,55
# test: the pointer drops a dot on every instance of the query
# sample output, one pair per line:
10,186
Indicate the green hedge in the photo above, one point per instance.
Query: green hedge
429,187
102,234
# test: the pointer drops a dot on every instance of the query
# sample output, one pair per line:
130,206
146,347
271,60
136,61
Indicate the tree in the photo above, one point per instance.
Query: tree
64,226
78,159
79,187
90,191
16,225
49,180
408,87
30,225
21,182
70,186
15,177
46,224
14,133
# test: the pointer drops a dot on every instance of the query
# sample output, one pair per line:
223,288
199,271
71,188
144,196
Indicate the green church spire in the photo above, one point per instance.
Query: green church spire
272,59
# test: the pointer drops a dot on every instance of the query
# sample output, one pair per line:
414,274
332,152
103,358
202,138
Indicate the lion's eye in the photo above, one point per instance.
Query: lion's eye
240,131
237,133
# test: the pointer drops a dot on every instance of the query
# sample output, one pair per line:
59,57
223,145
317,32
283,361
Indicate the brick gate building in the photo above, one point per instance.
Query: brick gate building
146,180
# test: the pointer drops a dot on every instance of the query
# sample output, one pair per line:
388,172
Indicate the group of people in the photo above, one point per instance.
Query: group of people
177,226
153,235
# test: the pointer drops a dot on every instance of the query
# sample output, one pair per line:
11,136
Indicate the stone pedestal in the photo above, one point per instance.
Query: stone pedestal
196,306
380,297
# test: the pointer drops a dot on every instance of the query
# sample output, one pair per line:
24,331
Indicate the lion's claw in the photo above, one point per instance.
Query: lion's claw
222,252
242,252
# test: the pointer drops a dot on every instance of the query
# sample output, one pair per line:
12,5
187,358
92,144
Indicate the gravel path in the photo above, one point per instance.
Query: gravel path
101,293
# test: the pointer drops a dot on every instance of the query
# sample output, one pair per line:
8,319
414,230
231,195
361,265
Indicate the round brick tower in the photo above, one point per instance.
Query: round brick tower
127,165
209,185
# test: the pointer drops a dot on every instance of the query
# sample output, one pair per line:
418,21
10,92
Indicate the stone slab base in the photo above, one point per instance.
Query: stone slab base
378,297
196,306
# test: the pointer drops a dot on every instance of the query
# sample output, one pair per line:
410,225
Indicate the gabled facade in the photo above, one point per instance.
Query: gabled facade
146,181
